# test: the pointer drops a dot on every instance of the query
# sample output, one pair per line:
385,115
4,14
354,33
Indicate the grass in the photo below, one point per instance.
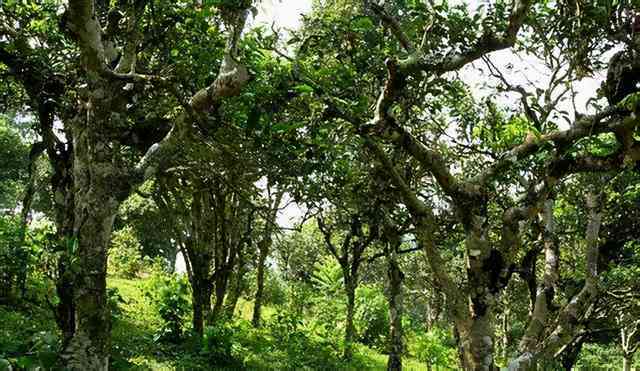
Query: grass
134,346
135,349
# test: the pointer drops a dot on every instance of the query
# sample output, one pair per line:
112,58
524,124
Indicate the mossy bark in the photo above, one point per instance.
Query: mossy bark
395,298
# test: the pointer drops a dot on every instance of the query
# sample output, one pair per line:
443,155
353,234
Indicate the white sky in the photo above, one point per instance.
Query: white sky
284,13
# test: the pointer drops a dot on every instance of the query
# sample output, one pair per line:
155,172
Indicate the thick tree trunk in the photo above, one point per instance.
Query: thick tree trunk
62,184
395,297
65,309
477,344
477,333
350,330
99,187
257,305
201,296
90,345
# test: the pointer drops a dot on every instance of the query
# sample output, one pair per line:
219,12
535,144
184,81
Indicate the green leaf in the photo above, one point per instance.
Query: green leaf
303,88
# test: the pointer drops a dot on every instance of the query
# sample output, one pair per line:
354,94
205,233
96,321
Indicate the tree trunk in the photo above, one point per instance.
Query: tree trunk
396,346
221,280
627,362
257,304
264,246
201,296
350,330
90,345
476,332
237,288
99,187
506,330
477,344
62,184
65,309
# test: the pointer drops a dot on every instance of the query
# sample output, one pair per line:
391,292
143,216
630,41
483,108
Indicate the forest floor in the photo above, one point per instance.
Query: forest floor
134,346
28,334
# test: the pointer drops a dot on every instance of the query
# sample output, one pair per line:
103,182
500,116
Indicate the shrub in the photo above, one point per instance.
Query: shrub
371,317
125,259
436,348
218,345
169,296
114,301
14,257
275,291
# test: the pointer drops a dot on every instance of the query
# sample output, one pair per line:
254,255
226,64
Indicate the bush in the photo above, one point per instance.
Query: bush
125,259
275,289
371,317
14,257
169,296
114,301
218,345
436,348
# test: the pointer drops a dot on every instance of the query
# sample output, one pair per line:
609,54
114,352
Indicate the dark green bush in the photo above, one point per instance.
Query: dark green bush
14,257
218,345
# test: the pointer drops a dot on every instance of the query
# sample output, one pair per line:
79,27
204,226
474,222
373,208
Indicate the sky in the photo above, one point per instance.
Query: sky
284,13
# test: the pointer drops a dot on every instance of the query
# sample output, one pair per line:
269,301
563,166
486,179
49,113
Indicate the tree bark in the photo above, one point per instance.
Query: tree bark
98,194
221,285
237,287
627,362
349,335
263,247
395,298
568,321
201,296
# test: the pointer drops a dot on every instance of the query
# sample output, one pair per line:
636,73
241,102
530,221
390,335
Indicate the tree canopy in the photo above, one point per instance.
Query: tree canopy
466,175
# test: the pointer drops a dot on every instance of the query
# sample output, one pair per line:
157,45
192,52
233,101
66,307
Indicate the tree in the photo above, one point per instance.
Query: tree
108,85
480,177
264,245
349,254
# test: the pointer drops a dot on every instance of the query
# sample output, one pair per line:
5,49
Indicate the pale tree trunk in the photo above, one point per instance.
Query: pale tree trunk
546,291
627,361
629,339
477,335
506,330
568,322
395,298
96,187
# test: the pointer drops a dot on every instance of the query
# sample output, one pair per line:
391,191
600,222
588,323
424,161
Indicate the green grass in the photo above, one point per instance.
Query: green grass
134,346
133,339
